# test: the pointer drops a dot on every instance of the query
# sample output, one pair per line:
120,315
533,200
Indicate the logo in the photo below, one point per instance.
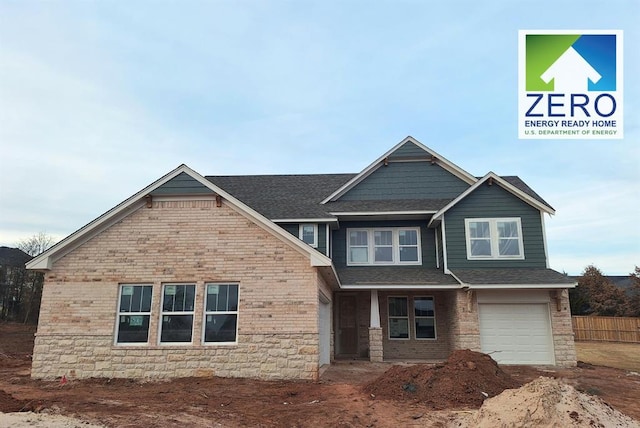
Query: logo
570,84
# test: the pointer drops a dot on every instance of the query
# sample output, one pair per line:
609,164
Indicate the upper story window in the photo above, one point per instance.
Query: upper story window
309,234
383,246
494,238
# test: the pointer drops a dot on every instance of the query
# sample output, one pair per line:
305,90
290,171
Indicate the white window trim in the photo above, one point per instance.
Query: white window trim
389,316
205,313
435,328
396,246
493,237
192,313
118,314
314,244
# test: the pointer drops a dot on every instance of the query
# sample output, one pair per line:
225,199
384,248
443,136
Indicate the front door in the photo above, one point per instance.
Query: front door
347,325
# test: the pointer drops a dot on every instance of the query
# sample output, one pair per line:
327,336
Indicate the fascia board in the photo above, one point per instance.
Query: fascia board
505,185
518,286
373,213
399,287
445,163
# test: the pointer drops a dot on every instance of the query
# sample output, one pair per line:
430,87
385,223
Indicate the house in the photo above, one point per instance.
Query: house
275,276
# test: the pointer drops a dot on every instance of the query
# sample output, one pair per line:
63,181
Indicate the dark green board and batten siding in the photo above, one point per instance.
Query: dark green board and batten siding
407,180
493,202
182,184
339,240
294,229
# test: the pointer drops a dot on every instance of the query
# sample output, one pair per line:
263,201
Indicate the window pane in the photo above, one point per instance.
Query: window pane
425,328
133,329
147,292
409,254
509,247
220,328
398,328
479,229
424,307
178,298
384,254
308,233
398,307
408,237
480,247
358,237
507,229
176,328
233,297
359,255
383,237
125,302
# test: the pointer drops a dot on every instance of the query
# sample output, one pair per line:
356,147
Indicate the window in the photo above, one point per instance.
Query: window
309,234
424,317
134,311
398,318
494,238
386,246
221,313
177,313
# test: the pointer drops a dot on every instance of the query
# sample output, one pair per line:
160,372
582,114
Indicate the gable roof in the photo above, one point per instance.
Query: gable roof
45,260
511,188
434,157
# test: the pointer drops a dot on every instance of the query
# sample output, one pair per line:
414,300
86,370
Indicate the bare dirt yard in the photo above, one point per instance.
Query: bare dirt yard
349,394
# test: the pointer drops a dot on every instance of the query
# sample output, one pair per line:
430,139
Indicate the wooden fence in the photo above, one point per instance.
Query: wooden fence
607,329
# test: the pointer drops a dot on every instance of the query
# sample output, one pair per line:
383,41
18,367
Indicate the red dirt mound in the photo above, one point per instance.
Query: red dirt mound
461,382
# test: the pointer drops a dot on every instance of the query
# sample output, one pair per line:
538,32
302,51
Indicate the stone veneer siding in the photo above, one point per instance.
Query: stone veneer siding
181,241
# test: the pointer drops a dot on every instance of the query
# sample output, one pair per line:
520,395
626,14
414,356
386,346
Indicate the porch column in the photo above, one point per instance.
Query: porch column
375,331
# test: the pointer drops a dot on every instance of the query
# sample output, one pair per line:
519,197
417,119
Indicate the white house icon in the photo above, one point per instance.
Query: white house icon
571,73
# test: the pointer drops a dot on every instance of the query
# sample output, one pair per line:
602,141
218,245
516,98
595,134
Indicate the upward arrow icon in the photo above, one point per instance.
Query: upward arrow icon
571,73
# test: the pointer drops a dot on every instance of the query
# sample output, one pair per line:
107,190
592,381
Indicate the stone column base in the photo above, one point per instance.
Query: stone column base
375,344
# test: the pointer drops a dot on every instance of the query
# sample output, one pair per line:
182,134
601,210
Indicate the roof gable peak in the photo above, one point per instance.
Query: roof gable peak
403,152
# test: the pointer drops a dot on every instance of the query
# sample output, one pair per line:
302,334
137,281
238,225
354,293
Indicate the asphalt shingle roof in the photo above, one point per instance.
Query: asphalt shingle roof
299,196
517,276
393,275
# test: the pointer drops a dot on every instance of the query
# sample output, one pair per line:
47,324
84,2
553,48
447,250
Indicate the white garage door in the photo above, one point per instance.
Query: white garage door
324,330
516,333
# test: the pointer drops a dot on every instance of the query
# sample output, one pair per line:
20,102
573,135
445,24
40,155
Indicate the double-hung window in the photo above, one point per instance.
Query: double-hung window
221,313
424,314
494,238
177,313
398,318
134,311
383,246
309,234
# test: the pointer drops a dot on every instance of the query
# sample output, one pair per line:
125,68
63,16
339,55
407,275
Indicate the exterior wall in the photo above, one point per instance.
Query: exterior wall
562,328
407,180
463,320
491,202
413,349
181,184
185,242
427,237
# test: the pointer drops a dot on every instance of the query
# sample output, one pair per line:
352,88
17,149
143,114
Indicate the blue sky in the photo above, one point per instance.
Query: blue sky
99,99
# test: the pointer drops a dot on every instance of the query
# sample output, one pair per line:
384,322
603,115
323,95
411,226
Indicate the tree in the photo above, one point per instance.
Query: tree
633,304
596,295
31,292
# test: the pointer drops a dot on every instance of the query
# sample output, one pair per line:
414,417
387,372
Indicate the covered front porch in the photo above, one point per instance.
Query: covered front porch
418,323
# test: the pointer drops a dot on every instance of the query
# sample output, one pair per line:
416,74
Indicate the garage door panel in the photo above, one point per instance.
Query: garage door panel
516,333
